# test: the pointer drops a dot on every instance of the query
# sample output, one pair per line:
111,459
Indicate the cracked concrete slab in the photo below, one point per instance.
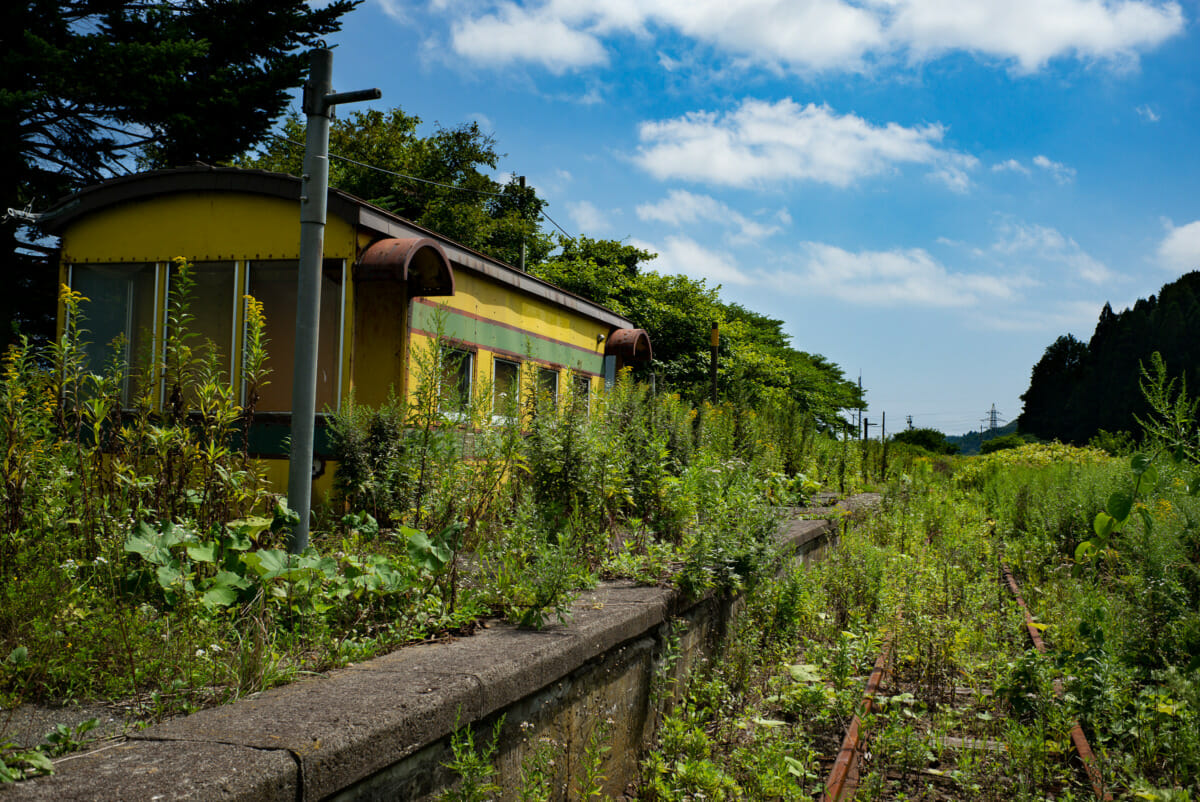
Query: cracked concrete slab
162,770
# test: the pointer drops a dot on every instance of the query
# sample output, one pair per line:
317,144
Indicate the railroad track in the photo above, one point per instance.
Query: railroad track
864,763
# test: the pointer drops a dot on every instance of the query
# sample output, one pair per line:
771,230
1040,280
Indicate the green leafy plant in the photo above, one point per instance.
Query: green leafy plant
473,766
19,764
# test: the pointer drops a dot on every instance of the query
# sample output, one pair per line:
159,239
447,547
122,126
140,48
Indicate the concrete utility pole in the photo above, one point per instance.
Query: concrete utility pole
883,439
859,421
319,98
866,434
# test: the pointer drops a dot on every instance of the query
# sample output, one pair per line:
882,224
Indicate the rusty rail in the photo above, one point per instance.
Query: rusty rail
843,777
1082,747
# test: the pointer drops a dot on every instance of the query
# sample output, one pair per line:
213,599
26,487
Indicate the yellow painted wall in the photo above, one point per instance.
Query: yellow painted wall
276,473
479,296
201,227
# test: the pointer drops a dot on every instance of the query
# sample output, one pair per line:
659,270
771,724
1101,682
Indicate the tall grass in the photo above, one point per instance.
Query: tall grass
140,547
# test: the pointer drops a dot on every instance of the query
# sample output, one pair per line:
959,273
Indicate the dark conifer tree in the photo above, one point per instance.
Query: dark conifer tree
1076,390
90,89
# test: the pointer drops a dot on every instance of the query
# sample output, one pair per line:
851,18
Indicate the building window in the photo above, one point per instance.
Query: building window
506,387
276,284
581,387
547,385
211,303
119,312
455,386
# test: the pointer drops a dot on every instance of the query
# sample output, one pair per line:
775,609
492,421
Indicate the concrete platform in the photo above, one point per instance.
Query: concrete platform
348,734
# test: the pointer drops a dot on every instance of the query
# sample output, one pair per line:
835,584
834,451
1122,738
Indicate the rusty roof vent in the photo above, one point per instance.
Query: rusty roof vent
418,261
632,345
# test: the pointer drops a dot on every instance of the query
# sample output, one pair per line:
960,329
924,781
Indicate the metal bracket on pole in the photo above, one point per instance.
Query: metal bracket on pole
319,98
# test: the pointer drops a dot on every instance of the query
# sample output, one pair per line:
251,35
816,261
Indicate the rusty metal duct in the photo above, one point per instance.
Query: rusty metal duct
631,345
418,261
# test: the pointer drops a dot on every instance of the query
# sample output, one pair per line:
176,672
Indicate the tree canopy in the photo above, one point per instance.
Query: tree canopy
380,157
1077,389
931,440
90,89
756,361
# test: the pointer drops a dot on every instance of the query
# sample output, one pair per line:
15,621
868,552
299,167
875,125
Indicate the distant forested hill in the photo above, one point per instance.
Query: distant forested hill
1078,388
970,442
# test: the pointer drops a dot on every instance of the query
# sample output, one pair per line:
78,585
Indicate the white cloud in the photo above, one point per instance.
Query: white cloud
761,142
686,257
1180,249
593,96
1078,317
1148,114
514,34
668,63
1010,165
813,35
899,277
804,34
681,207
1061,172
1047,246
588,218
1032,32
396,9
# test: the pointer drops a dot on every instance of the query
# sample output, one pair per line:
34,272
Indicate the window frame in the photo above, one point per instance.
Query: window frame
233,358
467,368
581,391
329,265
498,415
155,330
544,371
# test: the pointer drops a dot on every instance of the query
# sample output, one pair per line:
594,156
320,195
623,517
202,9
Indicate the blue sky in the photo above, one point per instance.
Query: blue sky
926,192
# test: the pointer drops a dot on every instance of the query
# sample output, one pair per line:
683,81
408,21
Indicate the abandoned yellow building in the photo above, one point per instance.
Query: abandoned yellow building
388,285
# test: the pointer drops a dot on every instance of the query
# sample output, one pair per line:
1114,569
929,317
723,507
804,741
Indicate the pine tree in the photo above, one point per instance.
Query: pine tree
90,89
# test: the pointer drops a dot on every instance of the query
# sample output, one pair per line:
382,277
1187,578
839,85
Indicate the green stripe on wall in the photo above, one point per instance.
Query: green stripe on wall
492,336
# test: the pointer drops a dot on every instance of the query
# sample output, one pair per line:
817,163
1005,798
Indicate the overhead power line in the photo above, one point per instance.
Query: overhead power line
393,172
556,225
386,171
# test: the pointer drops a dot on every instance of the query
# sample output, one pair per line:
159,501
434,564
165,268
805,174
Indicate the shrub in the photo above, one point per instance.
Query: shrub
931,440
1002,442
